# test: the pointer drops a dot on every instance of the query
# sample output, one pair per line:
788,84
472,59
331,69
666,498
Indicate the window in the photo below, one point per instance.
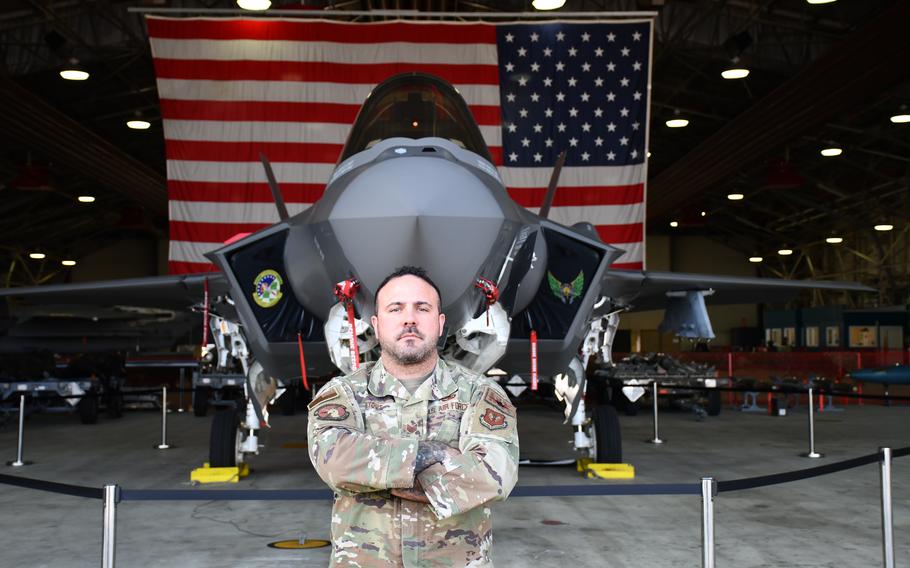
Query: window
789,338
810,336
832,336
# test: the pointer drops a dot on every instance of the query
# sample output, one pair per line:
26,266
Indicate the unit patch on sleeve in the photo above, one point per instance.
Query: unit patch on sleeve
267,288
493,420
332,411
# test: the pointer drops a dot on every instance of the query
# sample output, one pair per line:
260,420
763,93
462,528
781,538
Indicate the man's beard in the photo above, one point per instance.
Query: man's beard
404,355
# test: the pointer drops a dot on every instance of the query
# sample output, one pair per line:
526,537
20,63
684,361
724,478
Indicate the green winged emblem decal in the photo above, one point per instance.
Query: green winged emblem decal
567,292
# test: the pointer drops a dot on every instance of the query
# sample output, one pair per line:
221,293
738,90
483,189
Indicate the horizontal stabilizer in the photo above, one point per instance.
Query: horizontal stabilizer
647,290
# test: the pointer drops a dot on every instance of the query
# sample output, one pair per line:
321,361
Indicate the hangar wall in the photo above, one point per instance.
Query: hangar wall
691,254
136,256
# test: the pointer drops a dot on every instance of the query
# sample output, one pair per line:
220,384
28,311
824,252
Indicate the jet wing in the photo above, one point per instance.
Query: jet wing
166,292
648,290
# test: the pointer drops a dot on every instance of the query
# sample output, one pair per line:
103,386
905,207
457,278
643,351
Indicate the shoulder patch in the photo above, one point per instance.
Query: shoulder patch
497,402
326,396
493,420
332,411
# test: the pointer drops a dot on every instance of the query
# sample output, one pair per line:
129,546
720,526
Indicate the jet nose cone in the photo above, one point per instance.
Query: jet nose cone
425,211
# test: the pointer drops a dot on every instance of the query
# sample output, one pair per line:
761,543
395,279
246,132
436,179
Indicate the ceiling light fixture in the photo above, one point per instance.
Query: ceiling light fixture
86,199
703,213
674,224
883,227
677,123
834,240
68,262
73,71
785,252
755,259
833,151
735,73
254,5
36,255
138,124
735,196
820,1
900,118
548,4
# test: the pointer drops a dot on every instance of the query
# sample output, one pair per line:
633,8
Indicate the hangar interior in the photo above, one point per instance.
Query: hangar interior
798,171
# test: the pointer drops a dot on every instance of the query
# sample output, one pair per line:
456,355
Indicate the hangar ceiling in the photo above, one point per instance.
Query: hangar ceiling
821,75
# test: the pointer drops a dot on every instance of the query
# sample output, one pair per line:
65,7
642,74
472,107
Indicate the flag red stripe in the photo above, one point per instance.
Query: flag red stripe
292,152
627,265
210,232
628,233
286,30
242,192
265,111
318,71
579,196
181,267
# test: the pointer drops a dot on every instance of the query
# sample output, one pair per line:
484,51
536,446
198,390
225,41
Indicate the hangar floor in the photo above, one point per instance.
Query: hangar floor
822,522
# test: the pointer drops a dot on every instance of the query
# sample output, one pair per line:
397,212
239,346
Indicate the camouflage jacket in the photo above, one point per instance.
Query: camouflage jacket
363,431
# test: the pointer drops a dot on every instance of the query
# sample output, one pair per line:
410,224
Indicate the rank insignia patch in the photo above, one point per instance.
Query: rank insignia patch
493,398
267,288
493,420
336,412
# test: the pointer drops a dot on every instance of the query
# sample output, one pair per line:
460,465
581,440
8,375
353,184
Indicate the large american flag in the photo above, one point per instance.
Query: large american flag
291,88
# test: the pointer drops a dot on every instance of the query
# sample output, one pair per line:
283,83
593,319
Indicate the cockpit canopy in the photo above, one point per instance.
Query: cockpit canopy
415,105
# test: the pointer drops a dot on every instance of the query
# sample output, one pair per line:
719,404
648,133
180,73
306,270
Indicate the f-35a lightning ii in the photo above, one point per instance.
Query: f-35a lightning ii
416,185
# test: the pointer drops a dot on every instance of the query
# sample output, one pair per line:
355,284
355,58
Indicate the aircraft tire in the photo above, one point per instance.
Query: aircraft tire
714,404
88,408
223,441
201,401
607,435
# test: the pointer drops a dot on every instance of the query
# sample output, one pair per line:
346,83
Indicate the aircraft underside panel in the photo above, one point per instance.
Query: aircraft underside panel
259,268
570,270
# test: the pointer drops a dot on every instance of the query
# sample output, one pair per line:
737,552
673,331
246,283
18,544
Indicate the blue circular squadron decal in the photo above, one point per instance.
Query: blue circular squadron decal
267,288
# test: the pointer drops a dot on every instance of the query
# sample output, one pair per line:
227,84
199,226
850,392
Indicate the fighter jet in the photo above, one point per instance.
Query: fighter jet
416,185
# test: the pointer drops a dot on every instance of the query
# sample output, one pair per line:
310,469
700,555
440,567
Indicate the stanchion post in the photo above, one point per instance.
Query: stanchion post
887,518
812,453
108,538
656,439
20,446
708,492
163,445
182,387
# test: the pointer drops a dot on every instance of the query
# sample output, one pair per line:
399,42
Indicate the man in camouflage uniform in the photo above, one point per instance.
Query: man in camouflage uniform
414,447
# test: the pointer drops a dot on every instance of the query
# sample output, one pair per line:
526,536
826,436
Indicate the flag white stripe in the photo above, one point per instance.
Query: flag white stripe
634,252
277,51
224,212
295,91
233,212
190,251
293,132
573,176
252,172
247,172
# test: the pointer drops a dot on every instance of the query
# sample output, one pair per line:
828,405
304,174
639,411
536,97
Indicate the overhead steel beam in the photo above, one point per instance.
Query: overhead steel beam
867,61
38,125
